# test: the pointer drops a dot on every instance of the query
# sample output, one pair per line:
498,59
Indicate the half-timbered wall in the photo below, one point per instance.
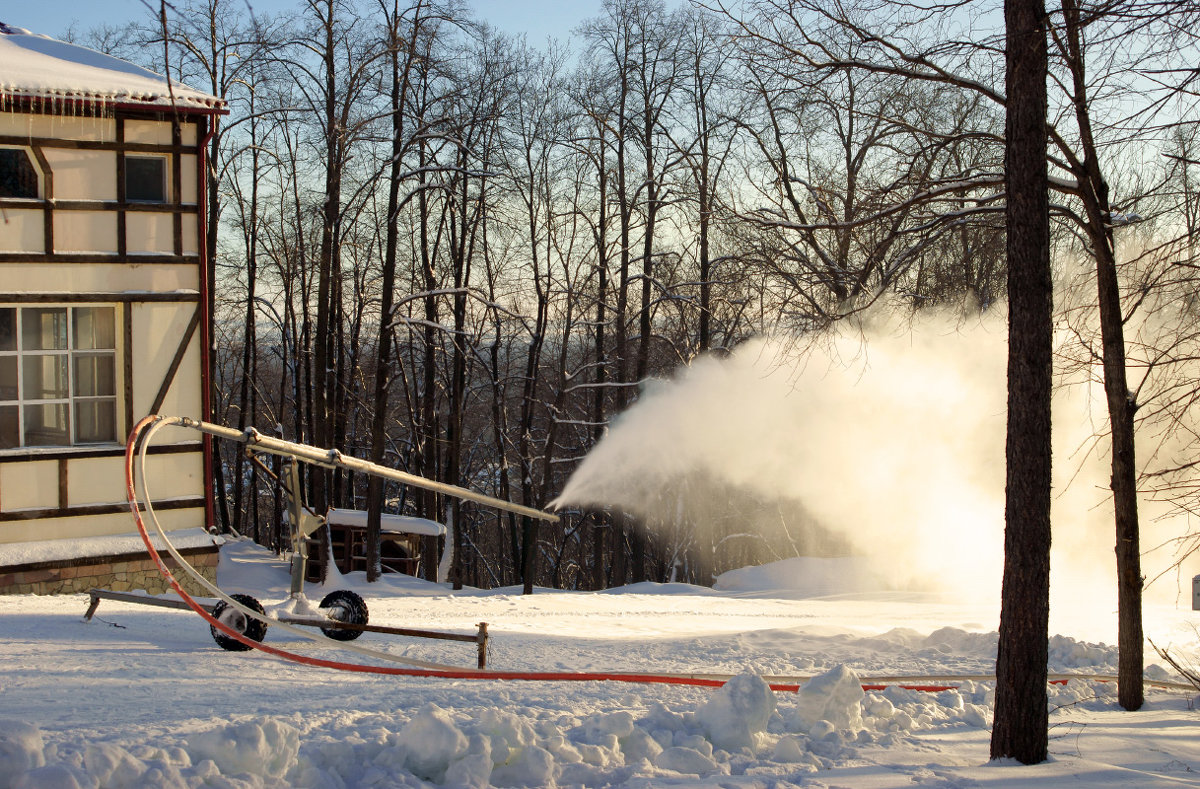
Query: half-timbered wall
115,224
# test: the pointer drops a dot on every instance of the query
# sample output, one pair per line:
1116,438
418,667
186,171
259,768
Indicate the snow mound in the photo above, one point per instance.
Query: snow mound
686,760
20,751
263,749
653,587
433,743
1067,653
803,576
833,698
737,712
531,766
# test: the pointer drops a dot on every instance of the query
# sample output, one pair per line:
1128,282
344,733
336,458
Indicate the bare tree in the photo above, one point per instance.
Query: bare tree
210,43
478,96
868,167
594,118
332,70
1093,192
403,29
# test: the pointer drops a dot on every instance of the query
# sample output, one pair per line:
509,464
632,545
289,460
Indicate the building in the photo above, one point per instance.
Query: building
103,311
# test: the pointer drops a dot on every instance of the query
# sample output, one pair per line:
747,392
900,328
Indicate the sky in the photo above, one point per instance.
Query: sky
537,18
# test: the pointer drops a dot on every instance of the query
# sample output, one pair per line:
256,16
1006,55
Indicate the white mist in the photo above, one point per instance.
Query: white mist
890,436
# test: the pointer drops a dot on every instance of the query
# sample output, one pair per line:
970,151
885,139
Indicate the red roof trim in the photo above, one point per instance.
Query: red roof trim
56,104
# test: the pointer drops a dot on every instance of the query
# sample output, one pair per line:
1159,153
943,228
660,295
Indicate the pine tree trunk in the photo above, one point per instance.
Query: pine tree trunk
1020,728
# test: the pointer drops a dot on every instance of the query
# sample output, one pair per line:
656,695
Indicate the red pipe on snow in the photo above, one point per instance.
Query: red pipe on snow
465,673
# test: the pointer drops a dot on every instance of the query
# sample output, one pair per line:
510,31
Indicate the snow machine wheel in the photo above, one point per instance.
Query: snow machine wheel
234,619
344,606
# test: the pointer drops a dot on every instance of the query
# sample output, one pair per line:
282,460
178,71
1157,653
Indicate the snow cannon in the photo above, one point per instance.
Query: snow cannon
239,622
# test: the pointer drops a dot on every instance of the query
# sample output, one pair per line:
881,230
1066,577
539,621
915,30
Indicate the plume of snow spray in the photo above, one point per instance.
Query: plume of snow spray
892,438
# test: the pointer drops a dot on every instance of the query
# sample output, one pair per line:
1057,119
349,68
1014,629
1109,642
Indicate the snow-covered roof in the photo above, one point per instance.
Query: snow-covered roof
38,67
403,524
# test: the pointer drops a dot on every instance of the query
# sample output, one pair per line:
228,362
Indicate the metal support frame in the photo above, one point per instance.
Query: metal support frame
304,522
332,458
480,639
301,522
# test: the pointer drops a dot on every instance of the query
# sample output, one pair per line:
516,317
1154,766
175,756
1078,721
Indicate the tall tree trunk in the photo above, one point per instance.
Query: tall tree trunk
625,218
529,393
246,390
210,246
427,458
383,360
339,382
1021,718
322,424
460,251
1121,404
638,537
602,523
505,522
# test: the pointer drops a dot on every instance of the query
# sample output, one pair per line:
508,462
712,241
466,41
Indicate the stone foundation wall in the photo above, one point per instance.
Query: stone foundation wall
122,573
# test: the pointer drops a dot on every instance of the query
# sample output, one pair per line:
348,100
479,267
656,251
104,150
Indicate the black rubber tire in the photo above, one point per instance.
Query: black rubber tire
251,628
344,606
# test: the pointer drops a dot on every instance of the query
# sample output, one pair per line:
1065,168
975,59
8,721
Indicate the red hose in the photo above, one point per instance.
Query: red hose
466,673
664,679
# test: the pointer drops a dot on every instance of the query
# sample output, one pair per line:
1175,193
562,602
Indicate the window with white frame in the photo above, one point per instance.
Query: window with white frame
58,376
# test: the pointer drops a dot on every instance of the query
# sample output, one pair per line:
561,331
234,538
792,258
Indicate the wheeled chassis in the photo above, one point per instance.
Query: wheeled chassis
480,639
303,522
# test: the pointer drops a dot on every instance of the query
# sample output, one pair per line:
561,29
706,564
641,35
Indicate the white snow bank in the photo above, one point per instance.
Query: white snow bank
432,743
266,749
740,726
41,67
653,587
112,545
804,576
146,699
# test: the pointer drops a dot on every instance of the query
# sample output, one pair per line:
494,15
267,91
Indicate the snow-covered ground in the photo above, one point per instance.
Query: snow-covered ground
142,697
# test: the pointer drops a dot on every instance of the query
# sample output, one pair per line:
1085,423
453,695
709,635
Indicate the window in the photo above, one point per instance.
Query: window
58,376
146,179
18,176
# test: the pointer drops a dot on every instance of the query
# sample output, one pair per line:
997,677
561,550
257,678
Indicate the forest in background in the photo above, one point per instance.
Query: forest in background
462,255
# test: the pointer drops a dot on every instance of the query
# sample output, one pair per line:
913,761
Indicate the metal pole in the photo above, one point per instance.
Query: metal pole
482,640
296,511
528,537
332,458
